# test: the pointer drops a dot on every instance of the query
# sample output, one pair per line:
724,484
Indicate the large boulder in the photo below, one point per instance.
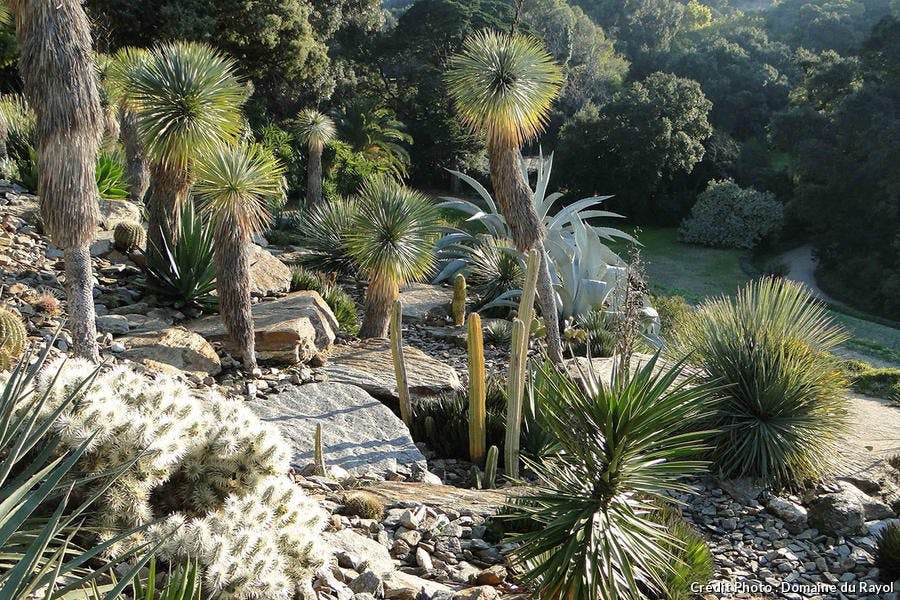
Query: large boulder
425,303
290,330
172,350
845,511
116,211
370,366
268,275
359,433
361,549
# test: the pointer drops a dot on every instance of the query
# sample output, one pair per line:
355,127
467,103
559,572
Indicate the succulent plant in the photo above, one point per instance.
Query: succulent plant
13,337
129,236
887,552
46,304
364,505
458,305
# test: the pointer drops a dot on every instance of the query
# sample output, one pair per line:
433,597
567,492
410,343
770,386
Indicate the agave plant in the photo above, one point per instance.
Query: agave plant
783,409
391,241
620,448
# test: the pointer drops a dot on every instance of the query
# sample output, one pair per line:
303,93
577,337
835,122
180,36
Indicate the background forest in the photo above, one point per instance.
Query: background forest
798,100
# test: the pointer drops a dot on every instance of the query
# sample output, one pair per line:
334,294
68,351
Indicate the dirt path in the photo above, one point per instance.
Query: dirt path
874,433
802,268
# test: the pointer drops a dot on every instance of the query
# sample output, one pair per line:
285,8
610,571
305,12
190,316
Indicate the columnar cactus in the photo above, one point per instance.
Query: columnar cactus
458,305
129,236
396,333
477,390
490,468
13,337
318,452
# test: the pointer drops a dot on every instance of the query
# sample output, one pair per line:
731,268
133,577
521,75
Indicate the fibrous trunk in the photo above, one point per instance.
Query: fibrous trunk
169,188
60,83
233,285
314,177
380,296
137,168
517,205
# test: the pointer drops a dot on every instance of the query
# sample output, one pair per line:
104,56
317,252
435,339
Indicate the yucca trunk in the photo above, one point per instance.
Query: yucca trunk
4,134
137,169
233,285
380,297
516,202
314,176
60,84
169,187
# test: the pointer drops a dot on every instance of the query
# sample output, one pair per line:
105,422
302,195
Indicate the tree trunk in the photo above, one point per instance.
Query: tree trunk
516,202
168,190
314,177
137,170
233,285
4,134
380,297
80,293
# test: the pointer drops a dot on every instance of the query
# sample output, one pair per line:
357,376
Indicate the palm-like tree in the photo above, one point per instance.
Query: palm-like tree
236,185
188,101
121,71
376,132
392,242
504,85
60,82
315,130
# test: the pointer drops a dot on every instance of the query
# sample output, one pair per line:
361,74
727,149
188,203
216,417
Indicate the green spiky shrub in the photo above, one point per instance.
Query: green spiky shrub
207,462
339,301
887,552
596,499
866,379
13,337
673,311
129,236
694,563
495,269
782,409
600,333
185,275
498,333
111,183
322,233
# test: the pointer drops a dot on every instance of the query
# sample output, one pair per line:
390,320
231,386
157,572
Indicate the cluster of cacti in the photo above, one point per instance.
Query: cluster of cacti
518,359
129,236
13,337
458,304
487,479
207,461
46,304
396,333
363,504
477,389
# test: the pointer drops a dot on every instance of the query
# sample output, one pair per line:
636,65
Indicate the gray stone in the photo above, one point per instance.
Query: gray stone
114,324
837,514
359,433
743,490
268,275
403,585
172,349
370,366
371,553
290,330
368,582
793,515
116,211
425,303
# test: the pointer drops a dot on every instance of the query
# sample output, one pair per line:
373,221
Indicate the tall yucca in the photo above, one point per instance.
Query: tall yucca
504,85
120,75
392,242
782,407
60,80
236,185
315,130
187,101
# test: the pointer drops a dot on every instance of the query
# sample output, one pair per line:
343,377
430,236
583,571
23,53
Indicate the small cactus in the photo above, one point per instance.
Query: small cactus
46,304
319,454
477,390
490,468
129,236
400,362
458,305
430,429
364,505
13,337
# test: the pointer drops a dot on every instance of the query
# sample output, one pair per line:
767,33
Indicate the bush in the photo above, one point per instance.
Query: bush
887,552
494,269
595,497
346,170
322,232
600,332
729,216
364,505
694,565
340,303
783,409
673,311
866,379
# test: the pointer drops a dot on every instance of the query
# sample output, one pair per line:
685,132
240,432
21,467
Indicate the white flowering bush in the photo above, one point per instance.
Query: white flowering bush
729,216
207,465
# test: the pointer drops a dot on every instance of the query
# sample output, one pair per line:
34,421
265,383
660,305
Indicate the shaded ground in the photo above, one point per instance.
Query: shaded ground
874,433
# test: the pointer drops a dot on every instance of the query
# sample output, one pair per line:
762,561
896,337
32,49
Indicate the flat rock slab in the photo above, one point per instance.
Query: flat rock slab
425,303
370,366
290,330
268,275
172,349
484,503
359,433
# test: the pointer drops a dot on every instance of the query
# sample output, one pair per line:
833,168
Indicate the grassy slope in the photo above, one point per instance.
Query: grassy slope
696,272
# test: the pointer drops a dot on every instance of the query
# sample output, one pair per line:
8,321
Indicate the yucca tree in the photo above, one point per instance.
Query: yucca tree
236,185
120,73
391,242
315,130
187,101
60,83
503,85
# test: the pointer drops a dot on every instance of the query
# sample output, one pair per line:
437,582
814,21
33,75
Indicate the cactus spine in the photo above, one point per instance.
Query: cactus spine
477,389
458,305
319,455
129,236
490,468
400,362
13,337
518,361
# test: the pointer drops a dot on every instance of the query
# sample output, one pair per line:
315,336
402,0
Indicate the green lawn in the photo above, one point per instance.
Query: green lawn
697,272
